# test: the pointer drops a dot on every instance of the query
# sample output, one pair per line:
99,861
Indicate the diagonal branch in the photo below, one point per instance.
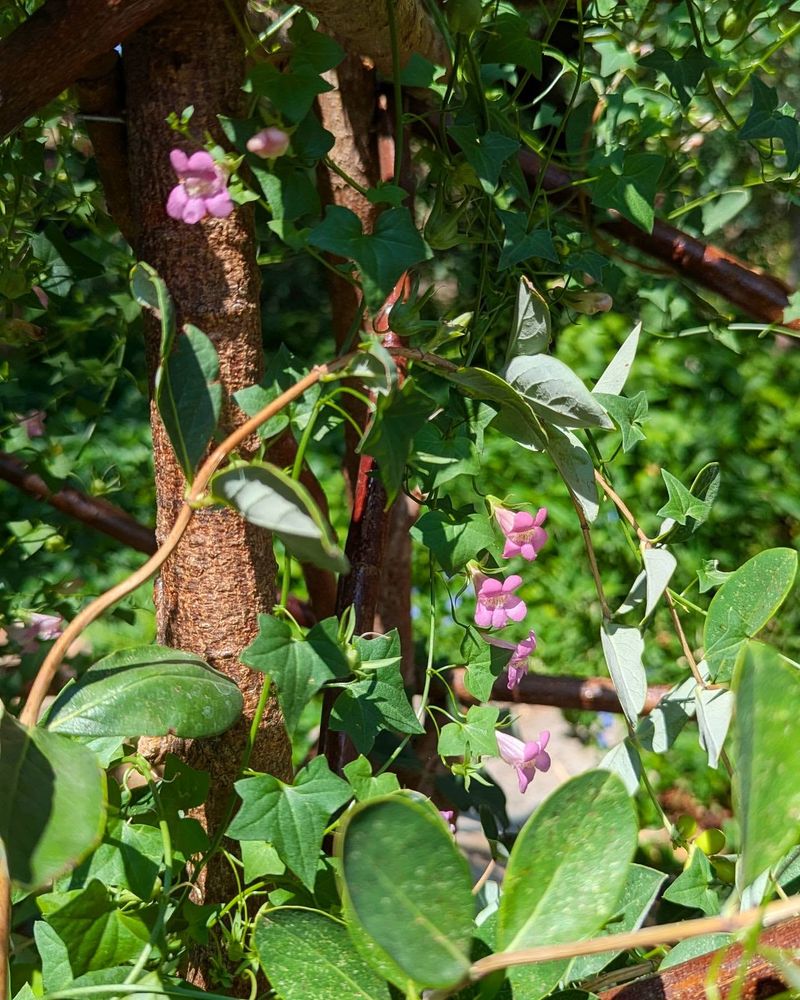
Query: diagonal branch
92,511
60,40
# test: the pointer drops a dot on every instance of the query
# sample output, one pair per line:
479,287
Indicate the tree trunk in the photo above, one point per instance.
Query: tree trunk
222,575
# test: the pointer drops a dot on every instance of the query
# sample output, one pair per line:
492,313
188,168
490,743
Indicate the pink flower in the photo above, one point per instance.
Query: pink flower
449,816
33,423
497,602
40,628
41,295
518,664
589,303
524,533
202,189
269,143
525,758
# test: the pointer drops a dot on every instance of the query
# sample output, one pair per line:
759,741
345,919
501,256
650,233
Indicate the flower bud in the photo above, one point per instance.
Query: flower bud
589,302
269,143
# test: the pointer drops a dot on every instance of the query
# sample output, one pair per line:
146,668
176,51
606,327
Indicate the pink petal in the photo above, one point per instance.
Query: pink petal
541,517
505,518
483,616
200,161
179,161
491,587
511,749
511,583
219,205
194,211
525,778
515,675
178,198
515,609
511,549
523,521
542,761
544,738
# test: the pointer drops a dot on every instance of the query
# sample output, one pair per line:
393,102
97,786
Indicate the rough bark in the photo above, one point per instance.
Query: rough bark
60,40
687,981
222,575
363,29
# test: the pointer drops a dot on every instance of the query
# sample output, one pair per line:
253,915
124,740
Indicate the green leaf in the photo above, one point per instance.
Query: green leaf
627,413
486,154
292,817
151,293
569,864
288,188
265,495
129,857
454,536
298,667
694,947
641,888
682,503
392,247
623,647
576,469
692,888
359,774
56,970
307,955
714,711
705,488
766,121
530,328
659,565
440,455
722,210
97,933
373,366
555,392
377,700
520,245
420,914
743,605
710,576
484,663
767,776
391,432
42,777
683,70
481,384
147,691
659,730
631,190
613,379
624,761
475,736
508,41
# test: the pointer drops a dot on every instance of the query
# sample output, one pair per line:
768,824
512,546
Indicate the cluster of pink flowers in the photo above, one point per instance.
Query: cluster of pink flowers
497,605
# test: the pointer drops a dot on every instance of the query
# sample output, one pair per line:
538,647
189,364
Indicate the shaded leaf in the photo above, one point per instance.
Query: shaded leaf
486,153
530,327
454,536
659,730
692,888
623,647
767,121
624,761
714,712
520,245
475,736
628,414
150,291
684,70
555,392
630,189
576,469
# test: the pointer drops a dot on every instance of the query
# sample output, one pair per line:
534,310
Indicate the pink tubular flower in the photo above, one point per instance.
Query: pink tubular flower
518,664
524,533
449,816
202,189
497,602
40,628
525,758
33,423
269,143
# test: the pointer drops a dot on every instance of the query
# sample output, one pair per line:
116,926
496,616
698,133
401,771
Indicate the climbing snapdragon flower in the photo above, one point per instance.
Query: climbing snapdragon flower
202,189
517,666
525,758
497,602
523,532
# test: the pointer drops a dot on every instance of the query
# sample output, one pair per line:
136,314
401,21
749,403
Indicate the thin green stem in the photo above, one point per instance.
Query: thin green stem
331,165
765,57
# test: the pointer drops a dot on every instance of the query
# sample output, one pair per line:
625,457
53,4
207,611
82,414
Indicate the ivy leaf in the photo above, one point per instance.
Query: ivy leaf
292,817
627,413
692,888
684,70
298,667
390,435
508,41
631,190
682,504
486,154
359,774
392,248
454,536
705,488
377,700
287,187
709,575
484,663
441,454
520,245
475,736
766,121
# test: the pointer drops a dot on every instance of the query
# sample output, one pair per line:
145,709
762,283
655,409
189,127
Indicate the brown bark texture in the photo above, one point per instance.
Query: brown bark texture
363,29
687,981
94,512
60,40
222,575
593,694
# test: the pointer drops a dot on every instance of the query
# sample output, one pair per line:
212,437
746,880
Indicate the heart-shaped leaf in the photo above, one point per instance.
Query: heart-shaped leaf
264,495
420,914
555,392
147,691
52,802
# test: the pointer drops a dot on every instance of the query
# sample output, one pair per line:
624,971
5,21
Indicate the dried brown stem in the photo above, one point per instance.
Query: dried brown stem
92,611
95,512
